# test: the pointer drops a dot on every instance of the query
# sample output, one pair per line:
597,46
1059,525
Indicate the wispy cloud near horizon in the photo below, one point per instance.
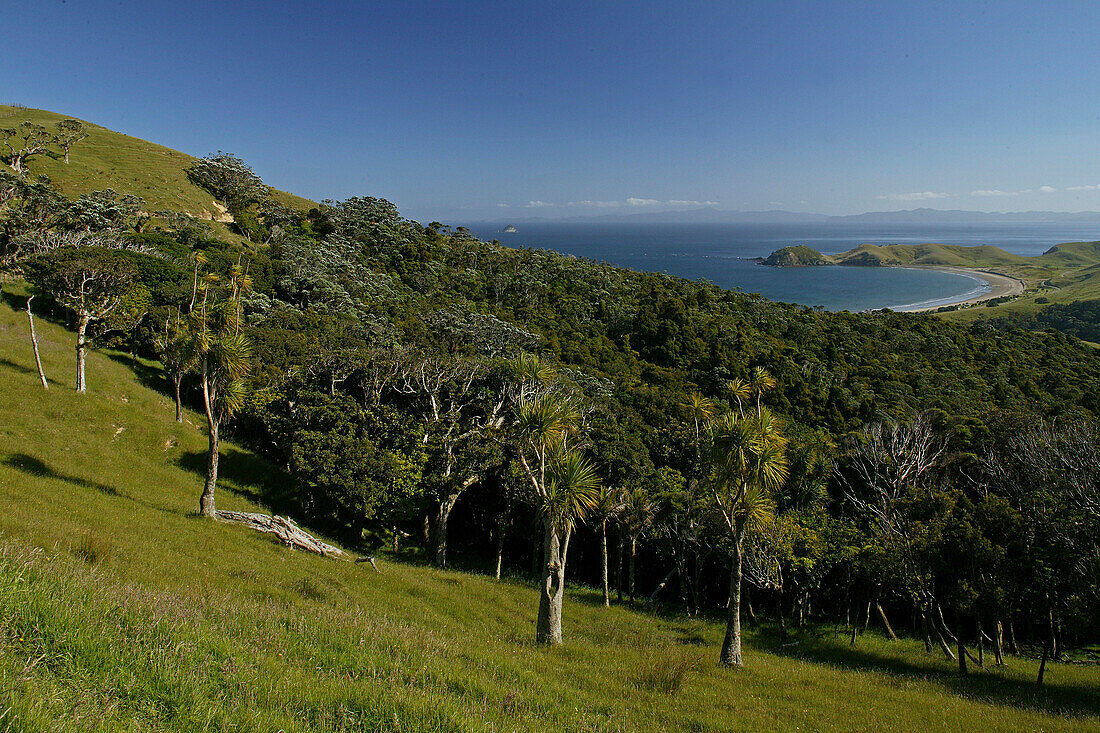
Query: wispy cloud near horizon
916,196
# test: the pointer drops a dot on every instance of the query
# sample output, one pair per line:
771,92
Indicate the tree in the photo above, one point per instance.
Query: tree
749,464
887,475
69,133
228,178
605,509
636,514
178,355
101,211
461,403
224,360
89,281
760,381
25,142
565,487
350,461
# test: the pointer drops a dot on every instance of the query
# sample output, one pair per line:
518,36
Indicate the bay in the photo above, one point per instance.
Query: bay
720,253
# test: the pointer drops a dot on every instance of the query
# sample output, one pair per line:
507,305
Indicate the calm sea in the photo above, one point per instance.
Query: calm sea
720,252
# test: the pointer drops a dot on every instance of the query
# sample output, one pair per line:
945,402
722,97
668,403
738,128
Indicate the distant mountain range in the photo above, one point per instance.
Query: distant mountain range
909,216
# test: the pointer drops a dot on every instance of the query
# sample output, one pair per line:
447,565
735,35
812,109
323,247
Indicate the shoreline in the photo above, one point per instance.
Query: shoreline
999,286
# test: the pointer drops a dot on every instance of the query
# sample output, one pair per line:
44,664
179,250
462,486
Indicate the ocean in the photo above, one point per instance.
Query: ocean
720,252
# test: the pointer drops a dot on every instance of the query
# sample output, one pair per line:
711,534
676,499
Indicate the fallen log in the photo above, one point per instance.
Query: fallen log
284,529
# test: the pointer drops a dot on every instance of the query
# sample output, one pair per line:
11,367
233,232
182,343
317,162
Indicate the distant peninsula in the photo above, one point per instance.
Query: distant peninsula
1064,273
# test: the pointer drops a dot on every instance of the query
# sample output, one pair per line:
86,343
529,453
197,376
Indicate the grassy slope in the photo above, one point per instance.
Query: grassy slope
108,159
120,610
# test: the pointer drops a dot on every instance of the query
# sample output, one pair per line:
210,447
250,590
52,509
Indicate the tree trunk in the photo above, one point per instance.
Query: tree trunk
395,540
603,549
619,571
779,612
1012,647
1048,644
947,653
962,656
34,343
552,592
885,622
925,631
660,587
81,348
176,380
206,501
442,516
731,645
998,646
633,552
500,548
694,585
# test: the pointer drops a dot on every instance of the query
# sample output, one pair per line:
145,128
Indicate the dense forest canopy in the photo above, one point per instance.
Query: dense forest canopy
413,378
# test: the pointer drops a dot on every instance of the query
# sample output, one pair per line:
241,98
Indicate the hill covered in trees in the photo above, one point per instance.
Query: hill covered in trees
511,410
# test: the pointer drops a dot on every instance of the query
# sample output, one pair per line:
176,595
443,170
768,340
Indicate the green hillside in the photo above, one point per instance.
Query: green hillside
893,255
120,610
108,159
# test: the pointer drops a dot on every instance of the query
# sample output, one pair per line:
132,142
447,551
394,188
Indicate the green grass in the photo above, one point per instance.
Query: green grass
108,159
121,610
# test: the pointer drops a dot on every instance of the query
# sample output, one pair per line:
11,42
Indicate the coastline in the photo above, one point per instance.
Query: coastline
993,285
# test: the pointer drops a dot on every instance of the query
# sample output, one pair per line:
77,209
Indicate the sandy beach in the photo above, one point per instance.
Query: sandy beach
995,286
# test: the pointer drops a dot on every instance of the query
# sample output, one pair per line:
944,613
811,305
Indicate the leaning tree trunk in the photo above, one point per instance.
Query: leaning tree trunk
81,350
552,591
603,548
731,645
34,343
885,621
206,501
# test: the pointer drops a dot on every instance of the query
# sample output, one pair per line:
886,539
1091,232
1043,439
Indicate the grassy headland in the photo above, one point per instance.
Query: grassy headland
120,610
1063,274
109,159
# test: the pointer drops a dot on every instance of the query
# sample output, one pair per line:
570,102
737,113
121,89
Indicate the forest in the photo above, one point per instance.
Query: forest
518,411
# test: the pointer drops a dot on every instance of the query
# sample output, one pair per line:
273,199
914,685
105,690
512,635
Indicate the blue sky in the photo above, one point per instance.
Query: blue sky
459,111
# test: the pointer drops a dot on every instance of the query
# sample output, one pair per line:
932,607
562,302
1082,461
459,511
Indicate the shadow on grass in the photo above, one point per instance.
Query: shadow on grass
979,685
35,467
247,475
149,376
16,367
17,302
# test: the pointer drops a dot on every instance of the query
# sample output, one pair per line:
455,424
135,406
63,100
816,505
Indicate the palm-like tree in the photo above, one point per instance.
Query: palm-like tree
566,488
606,508
741,391
636,514
224,357
750,464
761,381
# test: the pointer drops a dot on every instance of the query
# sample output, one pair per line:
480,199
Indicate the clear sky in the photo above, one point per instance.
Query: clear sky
464,110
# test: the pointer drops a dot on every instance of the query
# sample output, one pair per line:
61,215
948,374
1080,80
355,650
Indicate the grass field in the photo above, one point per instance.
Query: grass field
121,610
108,159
